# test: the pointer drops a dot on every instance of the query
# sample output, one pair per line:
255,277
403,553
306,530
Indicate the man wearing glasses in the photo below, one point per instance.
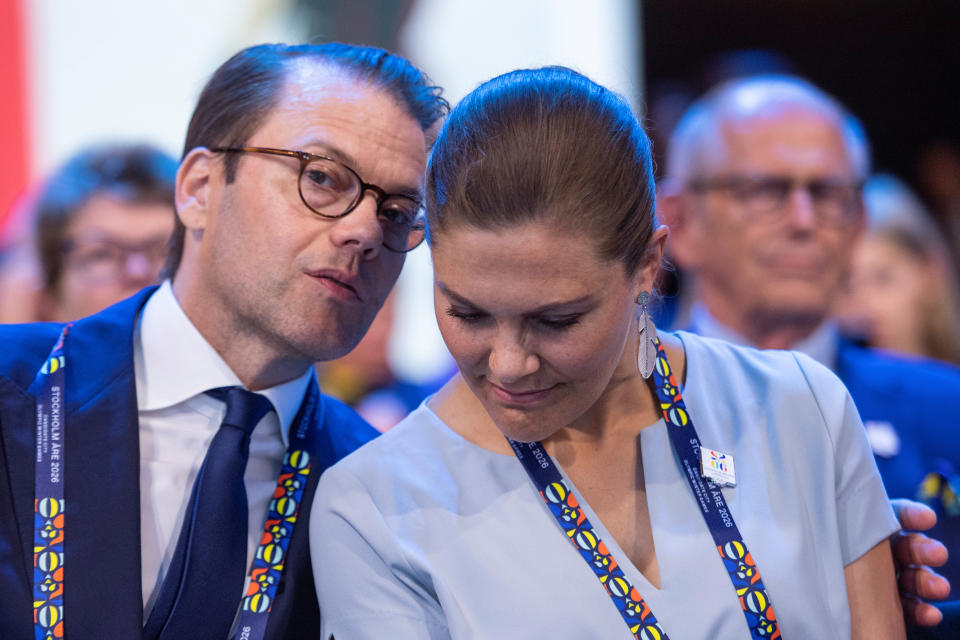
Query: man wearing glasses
102,225
762,196
144,490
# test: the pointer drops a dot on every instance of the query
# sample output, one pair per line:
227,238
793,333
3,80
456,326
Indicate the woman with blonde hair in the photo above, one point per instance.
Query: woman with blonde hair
902,293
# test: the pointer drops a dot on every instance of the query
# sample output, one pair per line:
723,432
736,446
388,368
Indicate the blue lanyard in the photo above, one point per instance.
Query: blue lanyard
743,572
574,523
266,570
269,561
48,503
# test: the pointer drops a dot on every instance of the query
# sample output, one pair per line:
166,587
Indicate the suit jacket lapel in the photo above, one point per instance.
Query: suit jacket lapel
102,584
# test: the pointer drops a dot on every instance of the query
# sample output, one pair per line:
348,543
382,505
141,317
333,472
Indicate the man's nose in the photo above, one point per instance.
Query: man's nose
361,227
802,212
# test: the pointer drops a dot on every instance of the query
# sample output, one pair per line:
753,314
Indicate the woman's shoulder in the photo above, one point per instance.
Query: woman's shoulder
420,456
762,361
382,470
415,435
719,348
763,372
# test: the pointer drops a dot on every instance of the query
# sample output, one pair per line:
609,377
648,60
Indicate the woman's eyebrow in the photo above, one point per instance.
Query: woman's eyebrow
552,306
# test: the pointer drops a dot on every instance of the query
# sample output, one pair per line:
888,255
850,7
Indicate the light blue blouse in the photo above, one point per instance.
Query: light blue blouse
422,534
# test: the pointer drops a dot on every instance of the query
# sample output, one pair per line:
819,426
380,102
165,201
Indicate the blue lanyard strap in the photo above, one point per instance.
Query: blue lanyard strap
743,572
48,503
574,523
270,558
49,510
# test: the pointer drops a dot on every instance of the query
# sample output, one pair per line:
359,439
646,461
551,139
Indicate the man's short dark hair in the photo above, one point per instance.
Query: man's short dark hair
134,173
240,94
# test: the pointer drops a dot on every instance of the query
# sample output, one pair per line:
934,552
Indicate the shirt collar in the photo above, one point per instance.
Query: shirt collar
173,363
821,345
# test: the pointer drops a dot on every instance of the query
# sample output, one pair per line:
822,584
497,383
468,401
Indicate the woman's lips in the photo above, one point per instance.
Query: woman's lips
521,397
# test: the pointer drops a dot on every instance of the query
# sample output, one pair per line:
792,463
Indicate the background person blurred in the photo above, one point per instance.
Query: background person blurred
366,380
901,294
103,220
762,196
938,176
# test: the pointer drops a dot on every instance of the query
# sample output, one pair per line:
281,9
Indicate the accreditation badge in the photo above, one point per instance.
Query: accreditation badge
717,467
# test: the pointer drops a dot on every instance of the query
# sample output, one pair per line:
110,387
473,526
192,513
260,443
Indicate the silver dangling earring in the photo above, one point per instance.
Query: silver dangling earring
646,349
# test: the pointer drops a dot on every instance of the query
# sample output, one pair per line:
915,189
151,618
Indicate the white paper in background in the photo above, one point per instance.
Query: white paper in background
104,70
461,43
131,70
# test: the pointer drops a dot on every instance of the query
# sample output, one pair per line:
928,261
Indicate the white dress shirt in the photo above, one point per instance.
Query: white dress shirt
174,365
821,345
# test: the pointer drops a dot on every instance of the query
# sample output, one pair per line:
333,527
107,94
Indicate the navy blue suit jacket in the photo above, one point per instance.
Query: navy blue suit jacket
920,400
102,581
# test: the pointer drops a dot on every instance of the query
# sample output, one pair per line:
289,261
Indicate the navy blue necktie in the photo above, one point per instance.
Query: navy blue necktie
204,584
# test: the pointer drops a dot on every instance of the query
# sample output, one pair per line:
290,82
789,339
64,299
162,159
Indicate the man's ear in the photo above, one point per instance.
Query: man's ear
674,210
193,197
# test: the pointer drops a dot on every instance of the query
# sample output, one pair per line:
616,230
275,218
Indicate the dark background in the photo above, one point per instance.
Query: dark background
894,64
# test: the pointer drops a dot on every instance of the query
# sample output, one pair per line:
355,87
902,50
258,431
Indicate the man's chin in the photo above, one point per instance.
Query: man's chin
325,351
795,307
318,345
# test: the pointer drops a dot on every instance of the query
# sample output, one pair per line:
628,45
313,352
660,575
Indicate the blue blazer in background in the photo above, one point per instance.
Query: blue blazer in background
102,581
918,401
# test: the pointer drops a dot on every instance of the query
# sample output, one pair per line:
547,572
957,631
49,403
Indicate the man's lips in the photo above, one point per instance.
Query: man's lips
796,265
520,397
341,284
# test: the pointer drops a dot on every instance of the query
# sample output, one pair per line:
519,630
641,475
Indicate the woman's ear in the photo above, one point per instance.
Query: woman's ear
675,208
653,259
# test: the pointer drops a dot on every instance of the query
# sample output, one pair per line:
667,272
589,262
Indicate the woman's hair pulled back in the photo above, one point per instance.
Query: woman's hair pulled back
545,145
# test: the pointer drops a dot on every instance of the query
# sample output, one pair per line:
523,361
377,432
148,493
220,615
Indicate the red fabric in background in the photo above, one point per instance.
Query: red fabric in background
14,133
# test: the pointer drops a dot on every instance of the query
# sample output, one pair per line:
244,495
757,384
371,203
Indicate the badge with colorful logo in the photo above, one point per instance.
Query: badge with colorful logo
717,468
941,493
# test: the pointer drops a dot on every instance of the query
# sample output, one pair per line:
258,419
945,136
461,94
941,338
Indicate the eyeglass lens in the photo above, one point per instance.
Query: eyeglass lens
329,188
103,260
833,200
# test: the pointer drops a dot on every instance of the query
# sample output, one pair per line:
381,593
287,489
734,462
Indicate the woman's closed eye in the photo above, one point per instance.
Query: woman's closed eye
558,323
466,316
552,323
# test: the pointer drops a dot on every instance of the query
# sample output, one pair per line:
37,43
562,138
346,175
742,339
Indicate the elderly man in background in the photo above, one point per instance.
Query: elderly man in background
762,196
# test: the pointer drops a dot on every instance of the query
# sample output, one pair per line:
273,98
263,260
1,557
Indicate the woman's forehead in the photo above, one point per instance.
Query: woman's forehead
534,259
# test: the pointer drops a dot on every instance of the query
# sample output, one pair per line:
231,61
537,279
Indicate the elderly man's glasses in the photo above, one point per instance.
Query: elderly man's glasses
331,189
766,198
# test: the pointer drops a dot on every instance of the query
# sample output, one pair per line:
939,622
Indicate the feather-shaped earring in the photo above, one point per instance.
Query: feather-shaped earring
646,347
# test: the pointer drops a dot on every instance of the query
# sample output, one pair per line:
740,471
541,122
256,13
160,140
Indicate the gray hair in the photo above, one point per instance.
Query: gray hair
693,147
